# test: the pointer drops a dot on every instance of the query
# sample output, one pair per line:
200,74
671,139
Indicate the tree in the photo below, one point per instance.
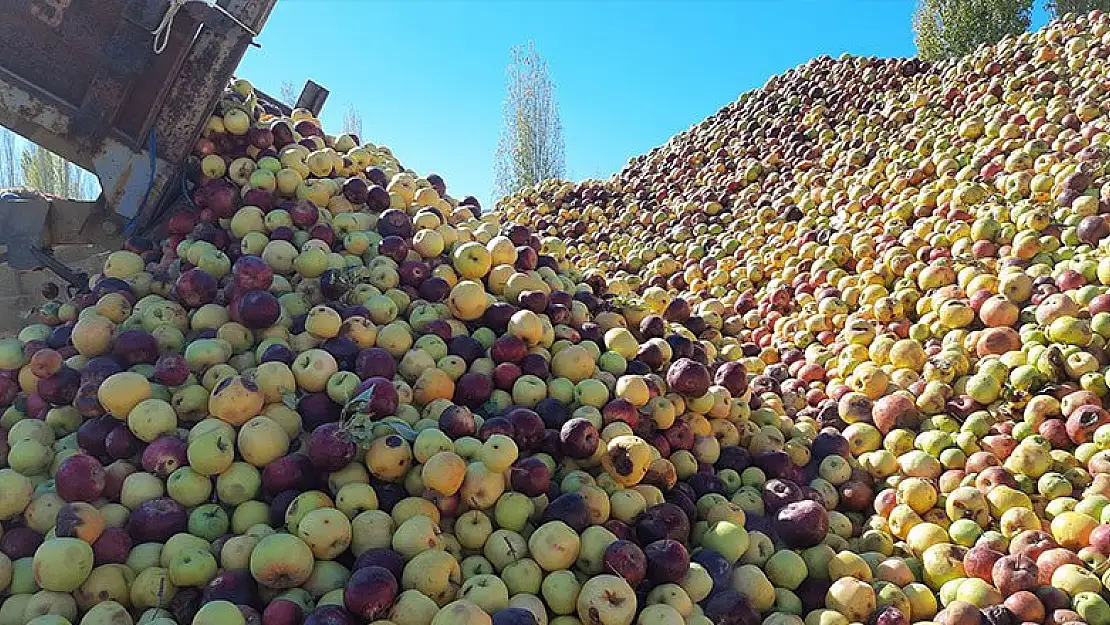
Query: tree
288,93
9,164
47,172
1058,8
352,122
952,28
531,146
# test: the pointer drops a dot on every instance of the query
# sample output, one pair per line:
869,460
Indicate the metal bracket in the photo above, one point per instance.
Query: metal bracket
312,97
24,222
32,225
78,280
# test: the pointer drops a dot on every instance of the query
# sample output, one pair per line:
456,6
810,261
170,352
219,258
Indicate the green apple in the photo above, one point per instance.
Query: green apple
817,561
498,453
313,368
355,498
487,591
594,540
607,600
219,612
16,491
560,591
727,538
481,488
528,390
327,577
750,581
435,573
554,546
326,531
673,595
786,569
281,561
626,504
472,528
472,566
413,608
372,529
523,576
208,521
104,613
697,583
417,534
660,614
192,567
504,547
430,442
62,564
461,612
152,588
236,552
512,510
1092,607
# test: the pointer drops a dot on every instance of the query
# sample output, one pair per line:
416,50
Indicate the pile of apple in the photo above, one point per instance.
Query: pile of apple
334,394
836,355
915,256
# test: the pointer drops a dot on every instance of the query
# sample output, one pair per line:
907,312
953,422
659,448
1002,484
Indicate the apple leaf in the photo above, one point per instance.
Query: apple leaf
360,430
362,398
290,400
401,427
356,421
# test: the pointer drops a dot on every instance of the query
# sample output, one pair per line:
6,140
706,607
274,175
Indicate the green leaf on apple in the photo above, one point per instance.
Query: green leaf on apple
401,427
290,400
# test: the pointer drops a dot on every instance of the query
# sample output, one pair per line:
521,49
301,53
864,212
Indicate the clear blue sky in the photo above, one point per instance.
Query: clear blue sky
428,77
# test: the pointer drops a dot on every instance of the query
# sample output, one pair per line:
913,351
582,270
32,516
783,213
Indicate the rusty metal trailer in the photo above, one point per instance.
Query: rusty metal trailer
82,78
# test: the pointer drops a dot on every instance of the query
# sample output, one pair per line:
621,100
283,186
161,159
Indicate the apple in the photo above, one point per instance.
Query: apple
62,564
487,591
326,531
80,520
219,612
112,546
281,561
370,592
80,478
192,567
554,545
156,519
312,369
330,448
282,611
461,611
530,475
435,574
607,599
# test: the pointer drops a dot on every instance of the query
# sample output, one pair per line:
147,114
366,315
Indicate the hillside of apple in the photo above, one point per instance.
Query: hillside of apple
835,355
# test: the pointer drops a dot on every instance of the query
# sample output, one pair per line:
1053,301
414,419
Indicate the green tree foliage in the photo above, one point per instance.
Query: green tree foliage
531,146
952,28
1059,8
9,163
45,171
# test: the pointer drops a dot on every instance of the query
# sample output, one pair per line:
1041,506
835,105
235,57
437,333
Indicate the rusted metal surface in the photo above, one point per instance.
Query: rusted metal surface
312,97
37,222
214,55
79,78
24,220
